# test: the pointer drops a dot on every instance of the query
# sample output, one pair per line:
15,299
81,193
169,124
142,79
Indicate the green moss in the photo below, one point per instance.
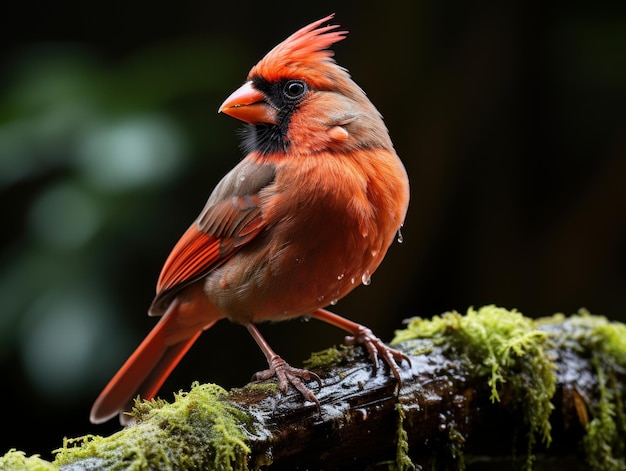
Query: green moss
605,440
330,357
197,431
17,460
264,387
503,347
201,431
456,445
612,341
403,461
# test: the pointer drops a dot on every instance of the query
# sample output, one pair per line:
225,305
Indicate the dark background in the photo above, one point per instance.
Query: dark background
509,117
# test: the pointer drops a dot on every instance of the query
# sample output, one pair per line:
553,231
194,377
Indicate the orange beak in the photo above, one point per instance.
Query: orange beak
249,105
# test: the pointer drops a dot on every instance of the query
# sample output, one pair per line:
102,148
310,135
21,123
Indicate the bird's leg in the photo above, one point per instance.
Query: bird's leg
285,373
364,336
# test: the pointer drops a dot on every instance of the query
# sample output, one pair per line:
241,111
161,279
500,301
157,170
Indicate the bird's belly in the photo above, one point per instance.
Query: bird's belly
295,275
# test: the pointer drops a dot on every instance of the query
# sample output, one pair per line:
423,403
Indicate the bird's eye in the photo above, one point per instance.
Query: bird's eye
295,89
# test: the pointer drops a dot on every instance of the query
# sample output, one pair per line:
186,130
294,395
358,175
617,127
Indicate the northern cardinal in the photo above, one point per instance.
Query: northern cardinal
303,219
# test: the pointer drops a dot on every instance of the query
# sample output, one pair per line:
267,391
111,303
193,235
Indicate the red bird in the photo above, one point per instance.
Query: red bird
302,220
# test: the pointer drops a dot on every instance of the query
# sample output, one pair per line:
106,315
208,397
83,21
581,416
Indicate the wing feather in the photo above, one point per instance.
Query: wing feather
231,218
195,252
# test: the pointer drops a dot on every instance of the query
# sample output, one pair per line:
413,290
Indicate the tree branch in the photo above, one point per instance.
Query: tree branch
490,387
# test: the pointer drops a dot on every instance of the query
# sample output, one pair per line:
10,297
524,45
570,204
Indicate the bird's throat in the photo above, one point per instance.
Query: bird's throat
265,138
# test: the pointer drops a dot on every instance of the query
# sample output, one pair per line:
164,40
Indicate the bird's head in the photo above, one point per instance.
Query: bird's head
298,99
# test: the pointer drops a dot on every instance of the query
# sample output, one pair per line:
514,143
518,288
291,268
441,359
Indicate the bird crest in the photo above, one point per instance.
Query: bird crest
305,52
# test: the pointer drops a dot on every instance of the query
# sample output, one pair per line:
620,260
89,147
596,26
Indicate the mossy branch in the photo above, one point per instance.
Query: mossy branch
488,386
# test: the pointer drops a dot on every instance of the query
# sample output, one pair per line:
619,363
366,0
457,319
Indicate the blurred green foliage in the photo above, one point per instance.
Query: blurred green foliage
100,143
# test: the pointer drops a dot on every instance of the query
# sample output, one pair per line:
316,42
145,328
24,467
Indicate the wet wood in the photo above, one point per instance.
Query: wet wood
449,417
444,408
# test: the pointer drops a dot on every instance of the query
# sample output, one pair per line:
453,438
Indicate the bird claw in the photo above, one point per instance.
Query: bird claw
286,375
375,347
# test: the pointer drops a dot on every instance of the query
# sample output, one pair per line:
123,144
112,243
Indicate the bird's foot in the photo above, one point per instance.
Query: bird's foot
376,348
287,375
